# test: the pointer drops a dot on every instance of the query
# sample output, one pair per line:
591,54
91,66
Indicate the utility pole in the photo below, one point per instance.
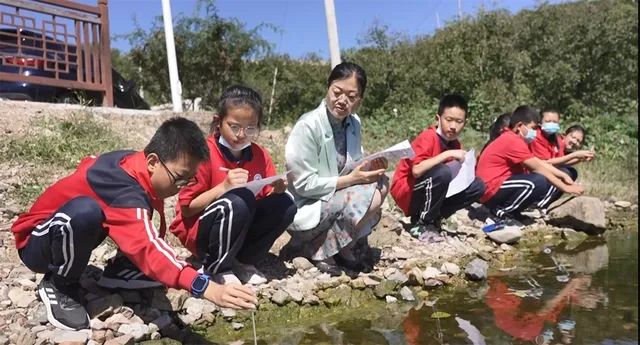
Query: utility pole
273,93
437,21
332,28
174,78
459,9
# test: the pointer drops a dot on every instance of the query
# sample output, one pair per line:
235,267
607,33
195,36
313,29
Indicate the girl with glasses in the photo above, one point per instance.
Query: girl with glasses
224,226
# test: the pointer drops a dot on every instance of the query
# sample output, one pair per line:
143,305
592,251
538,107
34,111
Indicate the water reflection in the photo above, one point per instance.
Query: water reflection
597,303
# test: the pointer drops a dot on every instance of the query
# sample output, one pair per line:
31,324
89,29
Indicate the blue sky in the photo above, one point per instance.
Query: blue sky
303,22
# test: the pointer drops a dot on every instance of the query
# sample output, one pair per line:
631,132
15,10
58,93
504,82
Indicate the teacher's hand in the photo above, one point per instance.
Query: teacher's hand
377,164
361,176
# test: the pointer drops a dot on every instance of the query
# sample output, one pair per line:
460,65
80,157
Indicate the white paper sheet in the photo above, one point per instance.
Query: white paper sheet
465,176
256,186
393,153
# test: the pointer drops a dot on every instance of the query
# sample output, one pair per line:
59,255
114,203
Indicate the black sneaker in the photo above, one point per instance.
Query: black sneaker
121,273
63,304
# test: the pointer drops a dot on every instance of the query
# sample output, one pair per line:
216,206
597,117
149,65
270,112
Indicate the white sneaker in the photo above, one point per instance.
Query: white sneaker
248,273
226,278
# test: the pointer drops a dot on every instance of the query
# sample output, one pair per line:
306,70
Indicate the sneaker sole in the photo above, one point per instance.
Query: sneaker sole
111,283
52,320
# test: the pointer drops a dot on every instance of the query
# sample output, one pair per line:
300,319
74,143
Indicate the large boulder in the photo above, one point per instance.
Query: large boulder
583,213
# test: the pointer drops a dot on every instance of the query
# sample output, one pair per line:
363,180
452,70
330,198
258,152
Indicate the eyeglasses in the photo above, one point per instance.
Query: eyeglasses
350,98
179,181
250,131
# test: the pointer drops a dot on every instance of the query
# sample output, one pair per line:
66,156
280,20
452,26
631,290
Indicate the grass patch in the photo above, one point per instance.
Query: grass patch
61,143
53,147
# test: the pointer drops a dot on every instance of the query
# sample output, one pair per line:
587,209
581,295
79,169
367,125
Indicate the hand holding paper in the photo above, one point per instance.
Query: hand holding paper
256,186
465,175
393,153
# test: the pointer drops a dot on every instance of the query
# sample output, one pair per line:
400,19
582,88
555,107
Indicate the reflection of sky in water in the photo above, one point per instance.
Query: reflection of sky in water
598,304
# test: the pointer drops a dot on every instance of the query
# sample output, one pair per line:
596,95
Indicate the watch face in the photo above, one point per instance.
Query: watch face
199,284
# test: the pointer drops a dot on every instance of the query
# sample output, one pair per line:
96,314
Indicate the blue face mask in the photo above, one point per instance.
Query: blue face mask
550,128
530,136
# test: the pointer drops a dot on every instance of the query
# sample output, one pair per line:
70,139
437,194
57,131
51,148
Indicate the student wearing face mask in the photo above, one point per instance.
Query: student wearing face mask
226,227
552,148
420,184
515,179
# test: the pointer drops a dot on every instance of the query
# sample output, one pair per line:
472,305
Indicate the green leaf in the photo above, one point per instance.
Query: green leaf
440,315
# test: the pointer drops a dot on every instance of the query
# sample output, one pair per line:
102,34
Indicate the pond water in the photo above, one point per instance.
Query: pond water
582,295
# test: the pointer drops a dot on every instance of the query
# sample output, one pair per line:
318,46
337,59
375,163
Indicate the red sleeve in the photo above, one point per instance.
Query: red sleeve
518,151
136,236
187,194
423,146
539,148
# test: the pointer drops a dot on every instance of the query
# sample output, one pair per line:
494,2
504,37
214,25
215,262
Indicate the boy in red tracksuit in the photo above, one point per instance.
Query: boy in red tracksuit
115,195
420,184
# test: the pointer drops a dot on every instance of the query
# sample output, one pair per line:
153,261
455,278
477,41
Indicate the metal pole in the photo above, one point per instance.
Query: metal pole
437,21
459,10
273,92
174,78
332,28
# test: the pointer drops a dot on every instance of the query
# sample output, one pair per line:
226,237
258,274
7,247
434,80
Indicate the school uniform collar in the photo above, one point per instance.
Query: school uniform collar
444,143
135,165
245,156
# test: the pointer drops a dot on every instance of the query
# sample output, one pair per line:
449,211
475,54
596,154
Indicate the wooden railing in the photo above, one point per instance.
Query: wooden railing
67,42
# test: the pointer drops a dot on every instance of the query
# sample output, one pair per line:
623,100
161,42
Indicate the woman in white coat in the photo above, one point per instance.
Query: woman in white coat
336,206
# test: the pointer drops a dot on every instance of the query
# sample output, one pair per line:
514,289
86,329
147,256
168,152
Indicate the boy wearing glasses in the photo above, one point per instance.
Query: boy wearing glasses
420,184
115,195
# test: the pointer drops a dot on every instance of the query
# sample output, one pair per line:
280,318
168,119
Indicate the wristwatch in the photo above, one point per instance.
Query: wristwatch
199,285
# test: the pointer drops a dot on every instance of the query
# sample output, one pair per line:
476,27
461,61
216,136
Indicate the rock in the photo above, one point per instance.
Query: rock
583,213
237,325
137,331
432,282
294,293
476,269
104,306
398,277
407,294
368,281
430,272
510,234
27,284
505,247
125,311
622,204
358,283
21,298
25,337
70,337
177,298
302,264
194,307
415,277
311,300
450,268
121,340
336,296
574,237
96,324
386,287
390,299
228,313
280,297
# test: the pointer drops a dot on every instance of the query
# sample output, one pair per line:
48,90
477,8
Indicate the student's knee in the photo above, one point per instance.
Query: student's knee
477,188
84,212
573,172
242,201
540,183
283,204
441,172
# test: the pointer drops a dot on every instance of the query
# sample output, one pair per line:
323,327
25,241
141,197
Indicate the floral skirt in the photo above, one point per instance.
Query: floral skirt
338,219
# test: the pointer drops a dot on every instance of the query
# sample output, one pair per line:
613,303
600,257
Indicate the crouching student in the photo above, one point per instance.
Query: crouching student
228,228
115,195
420,184
549,146
514,177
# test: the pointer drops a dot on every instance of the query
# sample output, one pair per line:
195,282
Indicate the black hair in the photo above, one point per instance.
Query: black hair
524,114
548,110
453,101
501,122
177,136
344,71
576,128
235,96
